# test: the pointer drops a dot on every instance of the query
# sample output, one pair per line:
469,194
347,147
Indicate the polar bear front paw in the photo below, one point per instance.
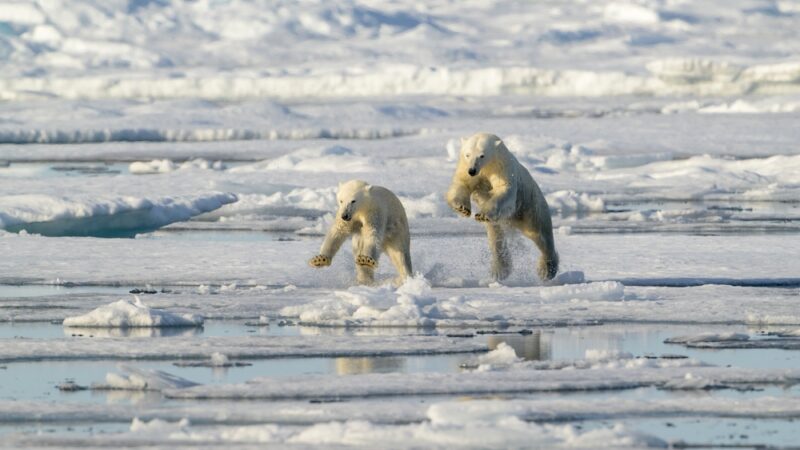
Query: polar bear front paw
364,260
482,217
320,261
463,210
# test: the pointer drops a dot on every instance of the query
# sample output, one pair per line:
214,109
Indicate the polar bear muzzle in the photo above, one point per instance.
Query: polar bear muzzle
347,214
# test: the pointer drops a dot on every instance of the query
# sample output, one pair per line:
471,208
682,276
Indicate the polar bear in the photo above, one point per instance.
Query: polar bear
377,220
506,195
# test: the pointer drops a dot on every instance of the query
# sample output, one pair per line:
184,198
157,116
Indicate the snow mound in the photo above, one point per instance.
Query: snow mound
550,155
101,216
136,379
597,291
315,160
126,313
427,206
409,305
573,202
301,201
415,304
166,165
691,382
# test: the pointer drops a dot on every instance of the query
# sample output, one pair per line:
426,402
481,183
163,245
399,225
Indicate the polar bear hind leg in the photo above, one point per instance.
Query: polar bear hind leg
548,262
401,260
501,257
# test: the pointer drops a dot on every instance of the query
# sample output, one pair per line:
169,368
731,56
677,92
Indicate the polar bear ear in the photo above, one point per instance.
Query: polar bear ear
497,143
463,140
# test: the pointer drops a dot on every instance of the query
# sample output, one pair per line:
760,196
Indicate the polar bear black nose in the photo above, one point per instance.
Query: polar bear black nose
472,172
346,217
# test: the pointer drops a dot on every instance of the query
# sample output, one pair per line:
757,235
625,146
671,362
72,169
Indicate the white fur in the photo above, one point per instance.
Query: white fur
376,219
506,195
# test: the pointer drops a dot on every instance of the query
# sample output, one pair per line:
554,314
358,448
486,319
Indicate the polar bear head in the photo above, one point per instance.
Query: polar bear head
478,150
352,196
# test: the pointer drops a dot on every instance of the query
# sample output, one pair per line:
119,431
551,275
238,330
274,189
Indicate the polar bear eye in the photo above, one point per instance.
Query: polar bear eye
352,202
466,156
482,156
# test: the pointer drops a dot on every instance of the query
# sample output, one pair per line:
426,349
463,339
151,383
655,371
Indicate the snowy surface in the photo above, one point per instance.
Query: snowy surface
460,261
370,48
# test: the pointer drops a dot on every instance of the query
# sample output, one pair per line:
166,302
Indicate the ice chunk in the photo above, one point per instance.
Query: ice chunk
136,379
126,313
157,426
502,356
708,337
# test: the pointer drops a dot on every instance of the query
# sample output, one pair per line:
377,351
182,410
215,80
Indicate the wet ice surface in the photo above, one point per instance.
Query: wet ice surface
243,303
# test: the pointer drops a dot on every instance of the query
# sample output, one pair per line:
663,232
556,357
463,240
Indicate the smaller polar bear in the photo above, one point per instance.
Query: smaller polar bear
377,220
506,194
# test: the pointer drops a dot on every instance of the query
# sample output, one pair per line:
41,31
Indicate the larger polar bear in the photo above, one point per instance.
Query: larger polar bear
376,219
506,195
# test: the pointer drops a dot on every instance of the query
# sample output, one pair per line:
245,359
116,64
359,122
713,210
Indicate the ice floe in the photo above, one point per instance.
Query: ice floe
516,380
101,215
374,410
241,347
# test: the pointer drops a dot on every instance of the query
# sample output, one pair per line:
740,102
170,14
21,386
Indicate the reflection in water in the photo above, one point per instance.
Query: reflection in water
354,366
135,332
533,347
130,397
357,331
